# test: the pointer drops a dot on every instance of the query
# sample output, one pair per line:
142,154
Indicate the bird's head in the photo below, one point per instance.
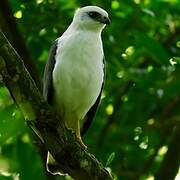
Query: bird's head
91,18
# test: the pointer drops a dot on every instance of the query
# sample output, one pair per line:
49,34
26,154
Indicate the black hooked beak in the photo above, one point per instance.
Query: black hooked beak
105,20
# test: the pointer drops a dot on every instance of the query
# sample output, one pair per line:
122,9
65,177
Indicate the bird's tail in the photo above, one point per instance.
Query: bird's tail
52,166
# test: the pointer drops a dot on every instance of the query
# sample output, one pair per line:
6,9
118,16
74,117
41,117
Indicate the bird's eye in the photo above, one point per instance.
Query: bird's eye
93,14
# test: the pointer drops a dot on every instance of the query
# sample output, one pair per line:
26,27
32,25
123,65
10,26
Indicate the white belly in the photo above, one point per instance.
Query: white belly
78,76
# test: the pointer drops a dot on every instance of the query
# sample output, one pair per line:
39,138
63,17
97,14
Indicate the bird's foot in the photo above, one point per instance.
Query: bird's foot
81,143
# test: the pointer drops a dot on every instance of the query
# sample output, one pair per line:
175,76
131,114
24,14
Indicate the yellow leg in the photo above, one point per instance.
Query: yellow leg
78,135
76,128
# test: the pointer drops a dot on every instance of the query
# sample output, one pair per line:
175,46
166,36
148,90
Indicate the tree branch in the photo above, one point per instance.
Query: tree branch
58,140
9,26
170,165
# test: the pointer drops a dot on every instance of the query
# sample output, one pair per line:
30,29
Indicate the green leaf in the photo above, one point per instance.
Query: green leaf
153,48
110,159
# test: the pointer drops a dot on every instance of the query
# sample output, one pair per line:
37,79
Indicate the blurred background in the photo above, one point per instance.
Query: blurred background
136,132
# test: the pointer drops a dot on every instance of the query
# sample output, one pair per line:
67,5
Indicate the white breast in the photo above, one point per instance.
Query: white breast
78,74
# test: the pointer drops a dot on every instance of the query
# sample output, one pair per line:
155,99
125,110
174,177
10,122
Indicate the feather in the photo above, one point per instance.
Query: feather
47,80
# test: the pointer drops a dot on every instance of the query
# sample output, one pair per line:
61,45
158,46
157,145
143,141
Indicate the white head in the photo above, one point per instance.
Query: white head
91,18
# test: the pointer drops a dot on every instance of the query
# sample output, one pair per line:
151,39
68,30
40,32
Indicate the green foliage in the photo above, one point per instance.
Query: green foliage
110,158
141,100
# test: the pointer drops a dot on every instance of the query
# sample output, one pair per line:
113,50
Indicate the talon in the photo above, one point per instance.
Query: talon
81,143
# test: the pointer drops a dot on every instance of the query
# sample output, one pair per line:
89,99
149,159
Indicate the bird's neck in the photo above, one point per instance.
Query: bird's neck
74,28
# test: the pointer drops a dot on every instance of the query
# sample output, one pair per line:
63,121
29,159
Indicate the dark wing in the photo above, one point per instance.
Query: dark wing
47,80
91,113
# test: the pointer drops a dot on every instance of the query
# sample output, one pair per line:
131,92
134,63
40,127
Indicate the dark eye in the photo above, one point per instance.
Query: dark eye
93,14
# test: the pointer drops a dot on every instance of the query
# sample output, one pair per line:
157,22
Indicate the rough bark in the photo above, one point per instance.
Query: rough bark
58,140
9,26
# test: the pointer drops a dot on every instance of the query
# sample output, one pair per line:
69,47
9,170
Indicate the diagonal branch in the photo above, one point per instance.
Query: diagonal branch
9,26
171,162
58,140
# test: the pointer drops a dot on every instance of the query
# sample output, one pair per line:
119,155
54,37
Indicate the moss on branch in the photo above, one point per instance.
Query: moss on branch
58,140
